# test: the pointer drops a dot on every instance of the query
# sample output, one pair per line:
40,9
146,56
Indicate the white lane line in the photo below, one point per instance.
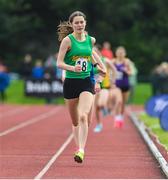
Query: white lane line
29,122
54,157
13,112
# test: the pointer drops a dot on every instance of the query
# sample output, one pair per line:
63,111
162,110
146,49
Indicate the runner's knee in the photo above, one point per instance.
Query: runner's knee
83,115
75,124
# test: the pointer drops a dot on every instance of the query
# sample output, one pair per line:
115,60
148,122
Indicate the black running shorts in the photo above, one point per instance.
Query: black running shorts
73,87
124,89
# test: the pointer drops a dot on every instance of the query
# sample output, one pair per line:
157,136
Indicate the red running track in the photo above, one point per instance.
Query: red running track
31,138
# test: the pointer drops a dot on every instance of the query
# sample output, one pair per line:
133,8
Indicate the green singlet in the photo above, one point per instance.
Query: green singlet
80,53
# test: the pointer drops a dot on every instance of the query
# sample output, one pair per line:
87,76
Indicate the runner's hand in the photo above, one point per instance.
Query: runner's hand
101,71
97,87
113,86
77,68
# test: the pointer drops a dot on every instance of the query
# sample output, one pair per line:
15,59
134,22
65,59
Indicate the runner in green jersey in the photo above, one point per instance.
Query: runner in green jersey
75,56
79,54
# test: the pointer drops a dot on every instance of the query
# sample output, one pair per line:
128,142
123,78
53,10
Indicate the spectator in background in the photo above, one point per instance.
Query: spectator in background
159,79
154,80
50,67
4,81
59,71
106,50
51,70
38,70
50,73
132,81
26,66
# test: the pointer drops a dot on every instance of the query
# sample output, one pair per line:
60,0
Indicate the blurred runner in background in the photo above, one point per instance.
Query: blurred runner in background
106,50
122,64
102,98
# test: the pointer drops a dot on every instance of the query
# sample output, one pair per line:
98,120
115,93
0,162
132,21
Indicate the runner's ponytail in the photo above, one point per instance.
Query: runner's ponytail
64,28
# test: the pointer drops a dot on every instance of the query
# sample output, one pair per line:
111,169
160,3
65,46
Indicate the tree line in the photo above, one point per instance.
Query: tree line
29,26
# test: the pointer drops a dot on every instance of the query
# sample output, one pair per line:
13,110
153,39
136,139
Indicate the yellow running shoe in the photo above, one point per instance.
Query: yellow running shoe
79,156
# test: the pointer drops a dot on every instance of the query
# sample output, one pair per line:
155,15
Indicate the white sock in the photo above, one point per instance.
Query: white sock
81,150
119,117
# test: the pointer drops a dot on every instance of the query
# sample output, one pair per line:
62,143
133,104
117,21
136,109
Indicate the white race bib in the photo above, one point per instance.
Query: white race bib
119,75
83,62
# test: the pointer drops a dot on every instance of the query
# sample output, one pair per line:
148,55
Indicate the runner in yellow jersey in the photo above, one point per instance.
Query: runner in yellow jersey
102,98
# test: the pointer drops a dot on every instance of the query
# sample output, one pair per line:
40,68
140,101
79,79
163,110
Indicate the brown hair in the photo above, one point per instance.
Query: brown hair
65,28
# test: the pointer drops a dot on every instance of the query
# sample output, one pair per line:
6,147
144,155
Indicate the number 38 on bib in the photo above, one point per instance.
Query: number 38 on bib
83,62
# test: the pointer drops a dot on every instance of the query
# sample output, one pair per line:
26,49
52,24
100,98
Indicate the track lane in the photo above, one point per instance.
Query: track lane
8,122
13,111
114,153
7,107
25,152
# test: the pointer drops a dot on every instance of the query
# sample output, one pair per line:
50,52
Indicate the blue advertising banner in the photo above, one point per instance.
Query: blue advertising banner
156,104
164,119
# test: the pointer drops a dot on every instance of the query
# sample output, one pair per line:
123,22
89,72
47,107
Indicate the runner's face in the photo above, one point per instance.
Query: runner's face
120,53
79,24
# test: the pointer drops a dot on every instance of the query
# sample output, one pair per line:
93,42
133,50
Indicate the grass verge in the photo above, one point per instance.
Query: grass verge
15,95
154,125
